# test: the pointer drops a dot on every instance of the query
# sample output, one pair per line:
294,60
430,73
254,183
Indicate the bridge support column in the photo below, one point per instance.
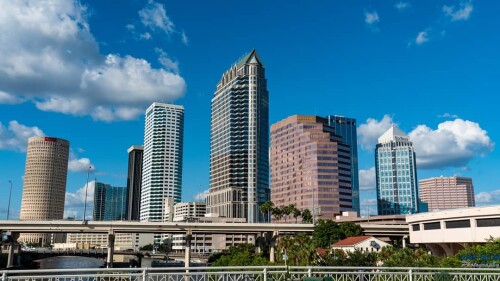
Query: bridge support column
12,237
187,250
111,249
258,243
272,248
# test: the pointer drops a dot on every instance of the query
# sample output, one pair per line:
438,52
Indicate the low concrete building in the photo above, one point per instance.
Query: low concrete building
363,243
447,232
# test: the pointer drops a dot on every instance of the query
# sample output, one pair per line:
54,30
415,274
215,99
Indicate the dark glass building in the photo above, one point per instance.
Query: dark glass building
239,142
346,128
109,202
134,182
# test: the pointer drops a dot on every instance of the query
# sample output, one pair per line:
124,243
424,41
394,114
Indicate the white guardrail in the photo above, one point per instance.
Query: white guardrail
255,273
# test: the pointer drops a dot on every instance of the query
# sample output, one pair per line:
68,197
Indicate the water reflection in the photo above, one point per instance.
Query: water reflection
63,262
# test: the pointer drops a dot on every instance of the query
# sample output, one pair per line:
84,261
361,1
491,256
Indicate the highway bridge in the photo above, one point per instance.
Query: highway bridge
13,228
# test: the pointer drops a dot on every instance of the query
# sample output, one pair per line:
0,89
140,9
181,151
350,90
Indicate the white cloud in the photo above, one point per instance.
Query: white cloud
146,36
453,143
16,136
55,62
184,38
462,12
402,5
167,62
372,130
367,179
155,17
371,17
422,37
79,165
448,115
6,98
368,207
201,196
485,198
75,201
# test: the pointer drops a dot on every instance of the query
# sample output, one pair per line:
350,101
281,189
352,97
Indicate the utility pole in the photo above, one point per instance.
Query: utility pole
10,193
86,190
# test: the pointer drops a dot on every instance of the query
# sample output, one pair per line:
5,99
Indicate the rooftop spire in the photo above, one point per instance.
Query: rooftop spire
392,134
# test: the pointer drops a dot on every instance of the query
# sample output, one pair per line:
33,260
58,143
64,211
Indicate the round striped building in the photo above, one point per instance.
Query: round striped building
44,186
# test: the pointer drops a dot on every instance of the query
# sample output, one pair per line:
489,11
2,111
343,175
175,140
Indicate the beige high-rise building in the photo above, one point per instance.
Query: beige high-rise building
447,192
44,186
310,167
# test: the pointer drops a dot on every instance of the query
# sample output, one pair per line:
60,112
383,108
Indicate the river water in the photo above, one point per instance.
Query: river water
63,262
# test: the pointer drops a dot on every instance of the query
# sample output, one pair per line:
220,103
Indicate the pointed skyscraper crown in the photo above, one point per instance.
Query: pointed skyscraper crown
393,134
251,57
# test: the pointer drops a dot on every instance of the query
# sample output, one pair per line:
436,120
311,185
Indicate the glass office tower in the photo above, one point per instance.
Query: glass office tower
134,182
396,173
346,128
239,142
109,202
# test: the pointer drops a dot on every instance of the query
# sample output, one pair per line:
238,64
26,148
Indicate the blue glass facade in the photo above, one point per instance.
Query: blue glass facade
396,174
346,128
109,202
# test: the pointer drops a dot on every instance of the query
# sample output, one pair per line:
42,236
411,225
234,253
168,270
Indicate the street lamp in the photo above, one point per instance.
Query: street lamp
86,190
10,193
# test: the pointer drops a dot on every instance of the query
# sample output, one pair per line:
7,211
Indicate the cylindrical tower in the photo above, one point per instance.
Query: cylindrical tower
44,186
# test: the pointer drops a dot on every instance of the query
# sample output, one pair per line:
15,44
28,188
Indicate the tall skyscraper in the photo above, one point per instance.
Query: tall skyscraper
44,183
396,173
346,128
447,193
310,166
162,163
109,202
134,182
239,142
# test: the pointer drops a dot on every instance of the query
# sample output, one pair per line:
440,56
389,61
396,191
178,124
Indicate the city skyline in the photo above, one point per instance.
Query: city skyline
363,60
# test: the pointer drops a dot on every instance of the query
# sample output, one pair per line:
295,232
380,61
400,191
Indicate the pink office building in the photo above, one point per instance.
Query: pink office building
310,167
447,193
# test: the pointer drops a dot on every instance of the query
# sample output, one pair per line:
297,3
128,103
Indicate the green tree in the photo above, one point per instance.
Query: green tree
350,229
307,216
266,208
406,257
361,258
240,255
326,232
299,249
296,213
277,213
287,210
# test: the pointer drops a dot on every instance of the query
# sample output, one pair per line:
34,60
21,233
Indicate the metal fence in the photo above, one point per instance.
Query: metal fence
254,273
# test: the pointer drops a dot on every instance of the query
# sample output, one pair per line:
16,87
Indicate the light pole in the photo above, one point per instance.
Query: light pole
10,193
86,190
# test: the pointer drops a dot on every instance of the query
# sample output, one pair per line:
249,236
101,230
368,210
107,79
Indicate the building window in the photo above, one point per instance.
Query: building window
416,227
458,224
488,222
432,225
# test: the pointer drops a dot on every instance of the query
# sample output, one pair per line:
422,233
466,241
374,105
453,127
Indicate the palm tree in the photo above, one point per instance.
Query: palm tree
287,210
277,213
267,208
296,213
307,216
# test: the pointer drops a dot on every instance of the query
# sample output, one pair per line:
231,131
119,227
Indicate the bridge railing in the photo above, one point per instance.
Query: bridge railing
255,273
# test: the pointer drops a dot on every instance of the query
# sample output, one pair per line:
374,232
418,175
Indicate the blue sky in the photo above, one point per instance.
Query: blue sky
86,71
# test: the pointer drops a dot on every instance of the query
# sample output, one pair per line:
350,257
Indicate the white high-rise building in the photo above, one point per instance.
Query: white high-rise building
162,162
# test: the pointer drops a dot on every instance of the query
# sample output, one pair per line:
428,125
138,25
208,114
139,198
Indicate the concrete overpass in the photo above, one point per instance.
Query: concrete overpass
13,228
